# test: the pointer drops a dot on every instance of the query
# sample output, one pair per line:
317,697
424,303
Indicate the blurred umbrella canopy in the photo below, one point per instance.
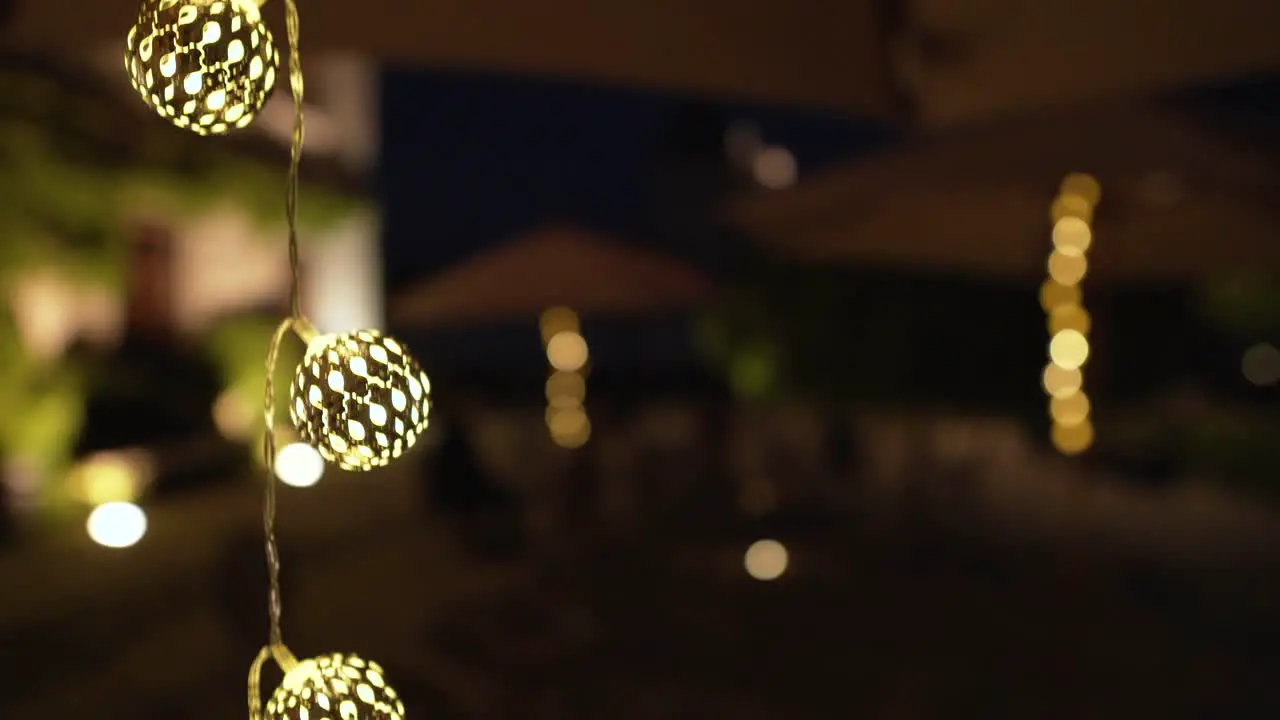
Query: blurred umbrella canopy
559,265
78,164
1176,203
935,63
971,60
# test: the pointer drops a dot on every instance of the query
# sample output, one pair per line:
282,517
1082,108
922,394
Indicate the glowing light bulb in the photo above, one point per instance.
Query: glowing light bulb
558,320
567,352
299,465
117,525
1072,439
359,399
766,560
1069,349
566,389
569,426
335,686
1061,382
1072,235
205,65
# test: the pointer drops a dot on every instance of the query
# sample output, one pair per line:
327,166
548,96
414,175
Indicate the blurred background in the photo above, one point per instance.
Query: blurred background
889,359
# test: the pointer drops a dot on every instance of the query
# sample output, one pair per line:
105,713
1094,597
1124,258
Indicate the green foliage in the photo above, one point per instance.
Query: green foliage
76,167
46,411
238,346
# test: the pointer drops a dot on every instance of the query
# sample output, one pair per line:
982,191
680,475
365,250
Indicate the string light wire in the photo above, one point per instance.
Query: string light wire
275,647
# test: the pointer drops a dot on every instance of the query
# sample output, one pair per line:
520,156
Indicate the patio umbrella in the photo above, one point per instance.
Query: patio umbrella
977,59
1175,203
554,266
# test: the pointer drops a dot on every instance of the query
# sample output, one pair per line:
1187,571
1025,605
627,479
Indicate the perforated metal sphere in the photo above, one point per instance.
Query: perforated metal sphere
359,399
206,65
335,687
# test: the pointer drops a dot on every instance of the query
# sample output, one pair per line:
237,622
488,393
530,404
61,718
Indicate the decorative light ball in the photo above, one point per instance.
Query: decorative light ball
360,399
332,687
206,65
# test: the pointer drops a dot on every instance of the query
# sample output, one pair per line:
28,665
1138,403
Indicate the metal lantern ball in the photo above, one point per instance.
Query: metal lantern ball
335,687
206,65
360,399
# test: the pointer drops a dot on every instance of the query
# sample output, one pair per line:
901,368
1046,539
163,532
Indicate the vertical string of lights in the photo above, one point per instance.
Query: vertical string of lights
1069,323
357,397
567,353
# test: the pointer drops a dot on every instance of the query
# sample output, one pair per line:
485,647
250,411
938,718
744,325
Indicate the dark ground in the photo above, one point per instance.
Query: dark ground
913,623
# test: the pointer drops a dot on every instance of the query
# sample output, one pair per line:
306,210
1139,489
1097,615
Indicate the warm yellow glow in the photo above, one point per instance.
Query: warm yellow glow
335,687
569,426
115,476
1069,317
1069,324
1055,294
1061,382
1072,206
1072,439
573,441
299,465
766,560
558,320
1072,236
205,65
566,389
566,421
567,351
359,399
117,524
44,309
1070,409
1083,186
1067,269
1069,348
233,415
1261,364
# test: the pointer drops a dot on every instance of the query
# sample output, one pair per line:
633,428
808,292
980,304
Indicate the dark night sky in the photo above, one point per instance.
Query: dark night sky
469,160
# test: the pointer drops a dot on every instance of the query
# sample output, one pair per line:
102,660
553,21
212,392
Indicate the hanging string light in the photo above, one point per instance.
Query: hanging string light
1069,324
567,354
206,65
359,399
363,402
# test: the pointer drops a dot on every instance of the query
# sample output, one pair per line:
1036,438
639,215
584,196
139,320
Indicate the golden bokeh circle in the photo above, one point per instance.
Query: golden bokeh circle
1069,317
360,399
335,686
1054,294
1072,235
1061,382
1072,439
1083,186
205,65
1066,268
1070,409
1069,349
